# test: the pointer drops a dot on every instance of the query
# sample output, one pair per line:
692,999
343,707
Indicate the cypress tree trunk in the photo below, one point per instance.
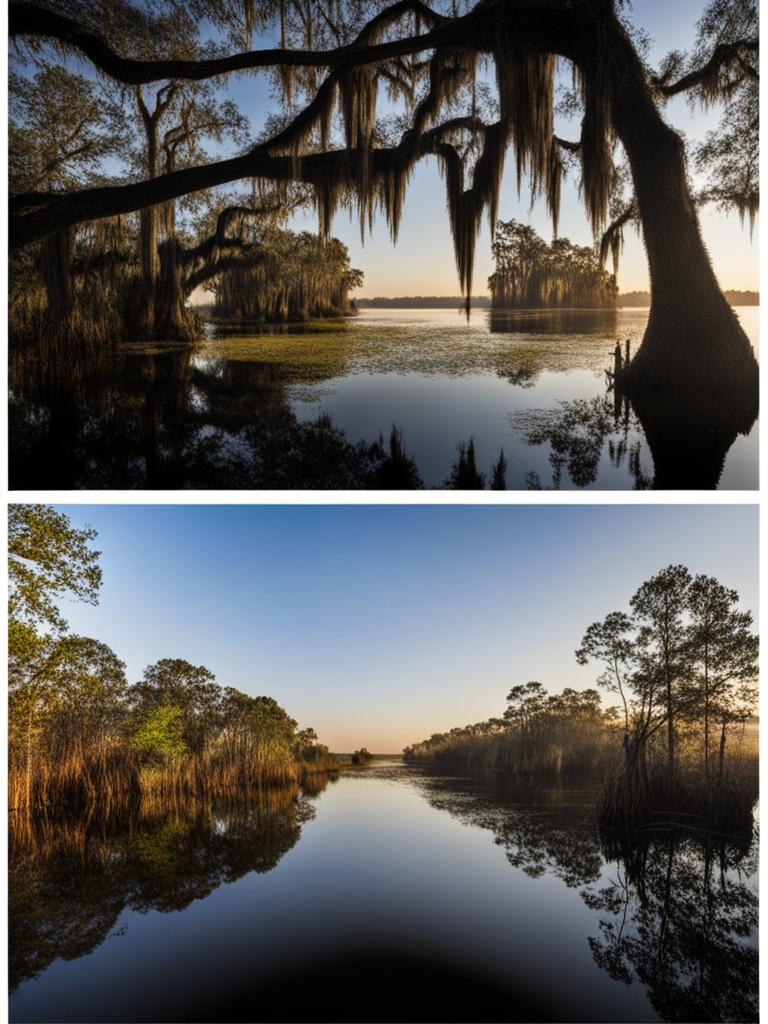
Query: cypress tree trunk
171,318
55,260
693,338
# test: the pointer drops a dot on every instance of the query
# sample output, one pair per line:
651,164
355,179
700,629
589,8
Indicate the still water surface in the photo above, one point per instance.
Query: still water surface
233,411
393,893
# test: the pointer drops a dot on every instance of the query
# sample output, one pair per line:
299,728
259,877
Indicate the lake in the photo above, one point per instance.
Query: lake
394,892
241,410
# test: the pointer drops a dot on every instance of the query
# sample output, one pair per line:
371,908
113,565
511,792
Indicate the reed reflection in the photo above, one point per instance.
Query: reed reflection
70,880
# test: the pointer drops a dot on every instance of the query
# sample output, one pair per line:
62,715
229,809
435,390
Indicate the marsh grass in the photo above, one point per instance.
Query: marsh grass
722,802
569,749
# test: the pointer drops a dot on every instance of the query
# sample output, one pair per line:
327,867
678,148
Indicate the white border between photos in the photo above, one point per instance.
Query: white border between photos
715,498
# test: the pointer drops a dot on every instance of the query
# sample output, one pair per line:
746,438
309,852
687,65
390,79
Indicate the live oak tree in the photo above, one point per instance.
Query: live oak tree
430,59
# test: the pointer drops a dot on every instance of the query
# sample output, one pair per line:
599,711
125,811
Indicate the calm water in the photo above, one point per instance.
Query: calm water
392,894
237,411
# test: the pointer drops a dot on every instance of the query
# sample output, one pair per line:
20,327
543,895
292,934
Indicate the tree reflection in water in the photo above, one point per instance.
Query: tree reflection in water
222,414
578,432
677,912
69,882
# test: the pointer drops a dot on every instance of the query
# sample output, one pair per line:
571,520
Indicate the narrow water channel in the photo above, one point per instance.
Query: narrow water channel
391,893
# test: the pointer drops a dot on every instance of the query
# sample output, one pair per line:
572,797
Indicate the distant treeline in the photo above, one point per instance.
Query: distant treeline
422,302
735,298
81,737
538,733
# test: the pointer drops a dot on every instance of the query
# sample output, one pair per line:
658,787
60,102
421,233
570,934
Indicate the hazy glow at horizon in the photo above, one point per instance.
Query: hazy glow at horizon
381,625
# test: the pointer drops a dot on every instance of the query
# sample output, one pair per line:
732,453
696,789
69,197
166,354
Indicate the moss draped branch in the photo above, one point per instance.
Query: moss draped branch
724,54
32,21
34,215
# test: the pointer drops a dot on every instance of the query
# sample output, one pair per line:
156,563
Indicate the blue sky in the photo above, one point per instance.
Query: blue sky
380,625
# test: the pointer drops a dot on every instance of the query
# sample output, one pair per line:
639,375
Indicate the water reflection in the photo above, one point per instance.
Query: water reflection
386,898
69,881
581,433
675,918
554,321
304,407
676,913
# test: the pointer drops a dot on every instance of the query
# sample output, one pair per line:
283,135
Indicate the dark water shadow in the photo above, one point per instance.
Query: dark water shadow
165,417
687,440
675,911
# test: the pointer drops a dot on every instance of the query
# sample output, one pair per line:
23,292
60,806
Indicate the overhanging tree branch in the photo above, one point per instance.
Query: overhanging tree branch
35,215
32,21
723,55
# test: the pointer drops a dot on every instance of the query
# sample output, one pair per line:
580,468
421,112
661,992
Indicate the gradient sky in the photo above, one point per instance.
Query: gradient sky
381,625
422,263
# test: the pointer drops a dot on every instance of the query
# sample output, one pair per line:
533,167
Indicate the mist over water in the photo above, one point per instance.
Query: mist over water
390,893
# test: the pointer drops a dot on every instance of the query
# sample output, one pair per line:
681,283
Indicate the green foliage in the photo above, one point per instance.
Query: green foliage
47,559
78,734
160,736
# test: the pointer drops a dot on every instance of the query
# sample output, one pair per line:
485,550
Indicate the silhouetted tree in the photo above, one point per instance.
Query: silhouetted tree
693,336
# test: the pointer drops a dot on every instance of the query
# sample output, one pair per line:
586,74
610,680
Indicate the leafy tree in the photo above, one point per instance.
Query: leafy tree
160,734
725,652
48,559
685,656
60,131
659,607
190,689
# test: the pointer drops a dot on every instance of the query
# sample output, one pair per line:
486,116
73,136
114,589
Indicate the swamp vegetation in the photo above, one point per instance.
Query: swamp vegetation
180,850
674,752
115,218
82,740
532,274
